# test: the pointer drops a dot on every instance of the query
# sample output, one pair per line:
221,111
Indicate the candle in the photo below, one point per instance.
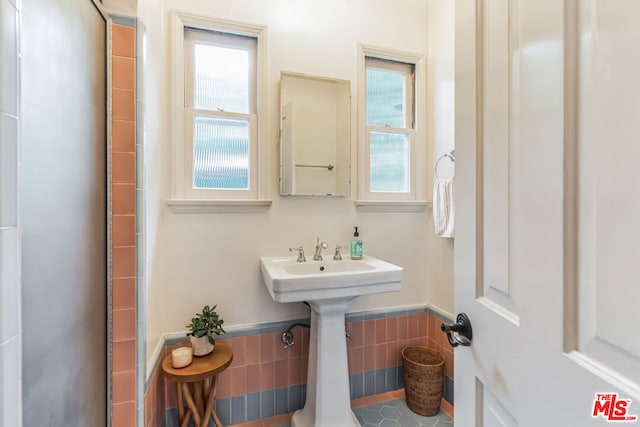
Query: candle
181,357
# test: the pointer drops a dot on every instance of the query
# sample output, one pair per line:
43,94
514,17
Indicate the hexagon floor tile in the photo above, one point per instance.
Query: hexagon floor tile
396,413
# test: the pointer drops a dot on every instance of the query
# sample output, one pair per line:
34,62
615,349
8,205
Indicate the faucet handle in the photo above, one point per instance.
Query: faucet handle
301,257
317,256
337,256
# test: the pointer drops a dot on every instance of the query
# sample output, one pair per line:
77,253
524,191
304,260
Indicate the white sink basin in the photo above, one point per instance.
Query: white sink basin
291,281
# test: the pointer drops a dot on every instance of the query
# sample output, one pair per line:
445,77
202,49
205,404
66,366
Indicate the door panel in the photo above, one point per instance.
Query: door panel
493,414
63,213
486,257
499,139
547,155
608,241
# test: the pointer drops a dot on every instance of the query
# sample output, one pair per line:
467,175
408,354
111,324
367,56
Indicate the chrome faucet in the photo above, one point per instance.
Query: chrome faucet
301,257
337,256
319,247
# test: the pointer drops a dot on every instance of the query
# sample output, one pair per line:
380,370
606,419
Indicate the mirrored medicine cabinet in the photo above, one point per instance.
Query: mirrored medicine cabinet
315,135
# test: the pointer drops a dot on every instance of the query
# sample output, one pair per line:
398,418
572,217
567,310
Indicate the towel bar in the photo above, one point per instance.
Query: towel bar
451,156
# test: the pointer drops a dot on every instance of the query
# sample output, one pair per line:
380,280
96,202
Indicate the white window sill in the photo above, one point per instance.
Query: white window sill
392,205
191,206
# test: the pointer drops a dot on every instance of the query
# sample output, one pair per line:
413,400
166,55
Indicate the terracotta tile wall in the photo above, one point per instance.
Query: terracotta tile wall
437,339
123,243
155,400
385,338
261,363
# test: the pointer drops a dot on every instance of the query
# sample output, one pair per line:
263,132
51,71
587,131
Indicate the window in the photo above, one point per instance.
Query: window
389,124
220,108
219,159
392,141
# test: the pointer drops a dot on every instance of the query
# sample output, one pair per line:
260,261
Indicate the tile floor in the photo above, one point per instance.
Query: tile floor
395,413
382,410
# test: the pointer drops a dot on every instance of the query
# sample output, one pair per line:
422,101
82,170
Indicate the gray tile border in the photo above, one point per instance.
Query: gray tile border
380,381
296,400
128,21
281,326
356,382
369,383
223,409
238,409
391,378
253,407
282,401
448,389
383,313
141,34
267,404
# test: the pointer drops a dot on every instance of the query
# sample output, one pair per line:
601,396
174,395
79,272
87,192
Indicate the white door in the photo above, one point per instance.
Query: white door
547,250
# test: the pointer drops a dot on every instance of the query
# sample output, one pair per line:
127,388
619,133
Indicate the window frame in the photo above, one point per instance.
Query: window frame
186,198
415,198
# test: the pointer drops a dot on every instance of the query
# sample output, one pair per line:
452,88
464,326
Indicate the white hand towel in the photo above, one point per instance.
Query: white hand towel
443,209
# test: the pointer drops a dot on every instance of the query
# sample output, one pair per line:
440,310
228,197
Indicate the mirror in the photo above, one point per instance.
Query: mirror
315,134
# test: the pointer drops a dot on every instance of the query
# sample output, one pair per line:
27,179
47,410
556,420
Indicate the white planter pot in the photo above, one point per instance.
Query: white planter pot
201,346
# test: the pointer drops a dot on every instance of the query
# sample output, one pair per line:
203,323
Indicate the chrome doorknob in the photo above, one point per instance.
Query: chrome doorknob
461,329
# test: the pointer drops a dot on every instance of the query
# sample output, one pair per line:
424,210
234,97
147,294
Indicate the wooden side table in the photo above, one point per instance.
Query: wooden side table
196,385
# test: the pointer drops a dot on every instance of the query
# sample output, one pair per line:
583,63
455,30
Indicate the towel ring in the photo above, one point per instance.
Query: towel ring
451,156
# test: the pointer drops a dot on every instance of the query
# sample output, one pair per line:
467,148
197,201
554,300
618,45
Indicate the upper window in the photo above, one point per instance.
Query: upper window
389,124
220,109
392,141
218,155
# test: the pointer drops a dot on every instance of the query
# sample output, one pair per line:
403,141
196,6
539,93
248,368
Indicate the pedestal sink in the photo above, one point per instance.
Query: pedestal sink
329,287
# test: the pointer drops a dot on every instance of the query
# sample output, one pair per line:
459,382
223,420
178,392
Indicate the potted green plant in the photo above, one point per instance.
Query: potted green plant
202,329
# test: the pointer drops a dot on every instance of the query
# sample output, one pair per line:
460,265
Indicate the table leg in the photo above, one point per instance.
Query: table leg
197,396
180,402
206,388
191,404
216,419
210,393
185,421
214,414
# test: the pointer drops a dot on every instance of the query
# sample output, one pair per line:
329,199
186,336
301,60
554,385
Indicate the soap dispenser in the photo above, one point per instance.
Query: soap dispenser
356,245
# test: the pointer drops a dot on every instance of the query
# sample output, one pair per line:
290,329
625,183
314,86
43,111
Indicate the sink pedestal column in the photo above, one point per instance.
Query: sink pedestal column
328,401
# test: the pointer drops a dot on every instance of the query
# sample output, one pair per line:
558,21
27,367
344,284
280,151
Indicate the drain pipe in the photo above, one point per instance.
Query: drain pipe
287,336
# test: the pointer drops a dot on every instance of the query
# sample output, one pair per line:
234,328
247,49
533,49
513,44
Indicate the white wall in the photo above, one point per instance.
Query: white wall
121,7
156,176
441,140
197,259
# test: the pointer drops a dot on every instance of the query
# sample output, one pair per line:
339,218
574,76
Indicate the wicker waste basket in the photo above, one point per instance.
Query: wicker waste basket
423,379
